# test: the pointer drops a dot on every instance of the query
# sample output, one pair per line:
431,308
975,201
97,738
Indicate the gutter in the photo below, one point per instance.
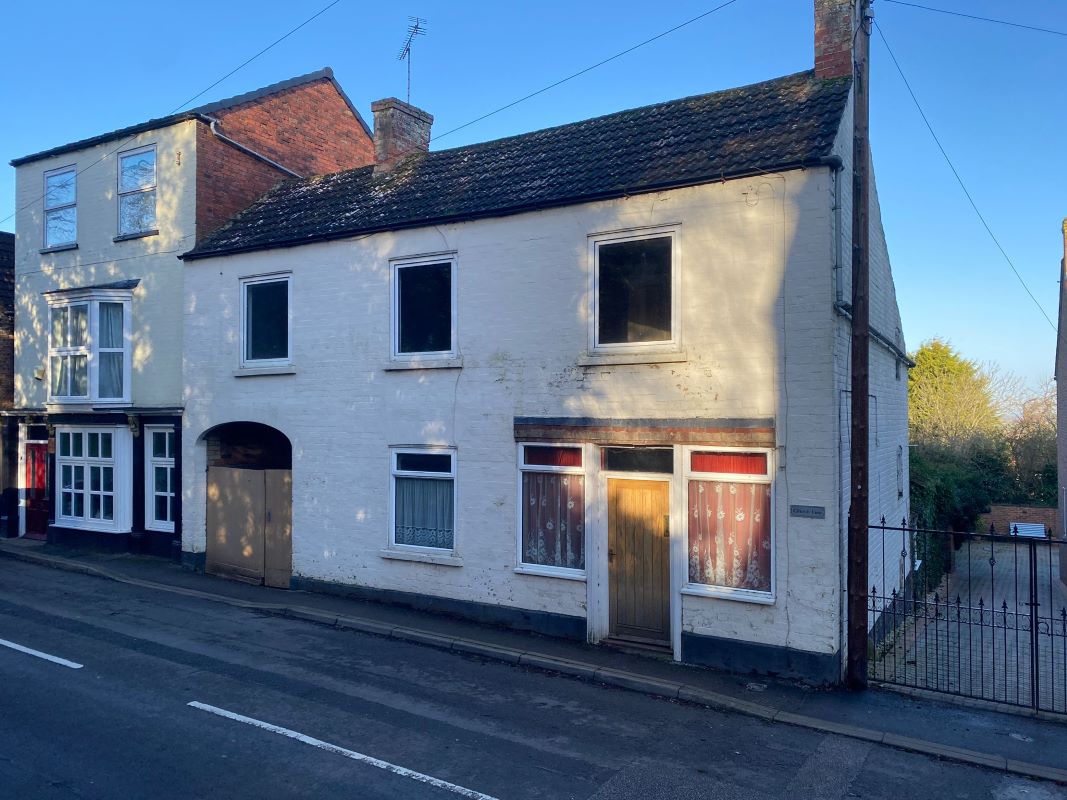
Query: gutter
832,161
248,151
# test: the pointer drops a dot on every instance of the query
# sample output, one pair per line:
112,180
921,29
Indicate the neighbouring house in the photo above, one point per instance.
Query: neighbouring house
8,427
98,364
591,380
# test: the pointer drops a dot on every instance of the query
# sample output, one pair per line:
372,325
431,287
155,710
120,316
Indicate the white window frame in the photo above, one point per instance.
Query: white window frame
398,264
253,280
635,234
93,298
120,463
72,168
582,471
119,193
394,473
688,474
152,461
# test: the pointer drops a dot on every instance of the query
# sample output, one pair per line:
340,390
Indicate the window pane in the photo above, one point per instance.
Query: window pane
60,377
730,534
267,320
94,506
424,513
162,484
65,476
111,325
110,377
639,459
634,301
109,507
79,376
109,478
735,463
94,479
137,212
162,508
553,456
170,444
94,445
425,313
553,520
60,226
76,445
79,505
137,171
67,504
79,326
105,445
159,444
79,478
59,327
64,444
424,462
60,189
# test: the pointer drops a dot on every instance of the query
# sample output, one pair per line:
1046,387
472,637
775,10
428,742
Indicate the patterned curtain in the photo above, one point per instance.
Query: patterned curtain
553,519
730,534
424,512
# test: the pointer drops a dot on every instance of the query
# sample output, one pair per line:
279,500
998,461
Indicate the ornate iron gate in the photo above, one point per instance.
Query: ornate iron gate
975,615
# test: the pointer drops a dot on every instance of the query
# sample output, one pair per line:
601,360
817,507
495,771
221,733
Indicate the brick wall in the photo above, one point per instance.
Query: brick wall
308,129
1002,517
833,38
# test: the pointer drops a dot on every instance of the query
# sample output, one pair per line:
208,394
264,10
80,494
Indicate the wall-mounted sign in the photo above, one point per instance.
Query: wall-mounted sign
808,512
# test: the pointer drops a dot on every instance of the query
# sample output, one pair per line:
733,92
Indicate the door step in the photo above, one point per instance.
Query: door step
633,644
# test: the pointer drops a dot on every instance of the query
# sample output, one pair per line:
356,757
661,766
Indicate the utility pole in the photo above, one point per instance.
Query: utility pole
858,512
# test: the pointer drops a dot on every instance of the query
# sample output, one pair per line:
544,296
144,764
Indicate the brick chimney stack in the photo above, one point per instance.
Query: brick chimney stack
400,130
833,38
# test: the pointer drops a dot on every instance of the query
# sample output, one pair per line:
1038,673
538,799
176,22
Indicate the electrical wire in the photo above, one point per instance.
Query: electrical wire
978,18
178,108
587,69
959,179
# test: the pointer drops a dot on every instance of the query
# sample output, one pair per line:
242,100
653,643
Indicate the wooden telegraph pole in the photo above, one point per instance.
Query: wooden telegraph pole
858,512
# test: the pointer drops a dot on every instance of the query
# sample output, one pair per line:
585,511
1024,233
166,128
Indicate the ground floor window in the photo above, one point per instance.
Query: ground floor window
89,463
159,477
729,520
552,507
423,498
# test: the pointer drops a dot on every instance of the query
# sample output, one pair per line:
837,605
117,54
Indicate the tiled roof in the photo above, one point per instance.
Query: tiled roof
195,113
132,283
784,123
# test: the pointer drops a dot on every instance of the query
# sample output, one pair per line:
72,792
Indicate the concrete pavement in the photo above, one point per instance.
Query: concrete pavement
1020,745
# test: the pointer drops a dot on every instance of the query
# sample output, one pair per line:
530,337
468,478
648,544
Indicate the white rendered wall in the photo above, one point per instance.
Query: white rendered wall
757,325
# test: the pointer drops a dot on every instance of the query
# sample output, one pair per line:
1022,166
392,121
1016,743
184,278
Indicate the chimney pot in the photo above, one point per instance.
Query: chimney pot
400,130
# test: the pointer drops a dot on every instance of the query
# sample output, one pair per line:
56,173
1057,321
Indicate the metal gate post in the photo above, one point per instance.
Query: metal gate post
1035,661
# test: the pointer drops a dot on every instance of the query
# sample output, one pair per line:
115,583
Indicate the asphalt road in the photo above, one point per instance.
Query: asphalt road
287,709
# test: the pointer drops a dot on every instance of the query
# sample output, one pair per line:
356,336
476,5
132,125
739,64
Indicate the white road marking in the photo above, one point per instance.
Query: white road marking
31,652
341,751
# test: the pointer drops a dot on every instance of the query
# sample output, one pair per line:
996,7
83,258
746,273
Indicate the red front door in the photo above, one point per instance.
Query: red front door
36,490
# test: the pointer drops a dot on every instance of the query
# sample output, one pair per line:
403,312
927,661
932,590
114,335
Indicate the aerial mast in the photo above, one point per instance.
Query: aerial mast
416,27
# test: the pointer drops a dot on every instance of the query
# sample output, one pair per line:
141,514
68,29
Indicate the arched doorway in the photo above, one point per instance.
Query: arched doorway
249,503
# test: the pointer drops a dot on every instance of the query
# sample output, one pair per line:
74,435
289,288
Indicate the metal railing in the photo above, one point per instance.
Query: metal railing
969,614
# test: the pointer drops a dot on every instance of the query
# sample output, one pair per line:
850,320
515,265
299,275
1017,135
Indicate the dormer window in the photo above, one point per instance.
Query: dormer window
88,346
60,207
137,192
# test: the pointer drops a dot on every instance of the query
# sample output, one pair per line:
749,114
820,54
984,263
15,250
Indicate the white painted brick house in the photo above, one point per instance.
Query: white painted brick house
590,380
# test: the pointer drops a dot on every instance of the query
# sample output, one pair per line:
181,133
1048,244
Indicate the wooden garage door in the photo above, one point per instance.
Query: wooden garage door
249,525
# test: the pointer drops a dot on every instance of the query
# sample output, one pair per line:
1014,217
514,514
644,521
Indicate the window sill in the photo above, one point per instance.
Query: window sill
551,572
723,593
643,357
59,248
427,363
159,528
83,402
418,555
252,372
125,237
82,525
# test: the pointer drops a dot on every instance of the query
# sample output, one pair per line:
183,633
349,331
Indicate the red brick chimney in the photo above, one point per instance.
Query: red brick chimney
400,130
833,38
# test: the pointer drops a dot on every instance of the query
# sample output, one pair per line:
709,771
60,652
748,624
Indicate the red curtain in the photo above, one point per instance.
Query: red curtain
731,463
553,519
730,534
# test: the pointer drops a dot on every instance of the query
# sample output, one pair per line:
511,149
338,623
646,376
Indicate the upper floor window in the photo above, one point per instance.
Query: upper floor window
88,352
424,308
265,323
60,207
137,191
634,289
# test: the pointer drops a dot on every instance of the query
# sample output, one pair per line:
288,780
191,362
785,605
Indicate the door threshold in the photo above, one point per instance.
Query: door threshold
635,644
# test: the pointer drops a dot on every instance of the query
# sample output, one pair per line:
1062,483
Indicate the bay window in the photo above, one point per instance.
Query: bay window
91,476
88,347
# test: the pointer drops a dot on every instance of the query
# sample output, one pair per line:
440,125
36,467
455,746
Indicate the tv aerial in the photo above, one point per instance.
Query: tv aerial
416,27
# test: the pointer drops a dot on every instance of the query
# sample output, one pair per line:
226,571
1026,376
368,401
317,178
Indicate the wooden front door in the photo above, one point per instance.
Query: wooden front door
36,491
639,559
249,525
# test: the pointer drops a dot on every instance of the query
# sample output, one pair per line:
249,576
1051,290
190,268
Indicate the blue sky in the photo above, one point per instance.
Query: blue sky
994,95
